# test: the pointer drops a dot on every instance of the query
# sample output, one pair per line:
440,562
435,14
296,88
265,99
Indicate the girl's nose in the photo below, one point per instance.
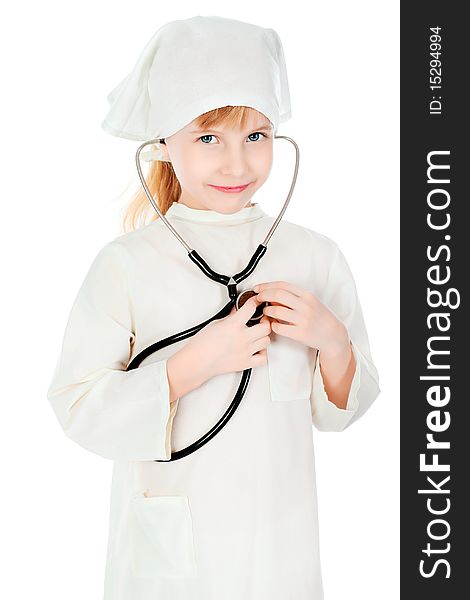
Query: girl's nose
234,163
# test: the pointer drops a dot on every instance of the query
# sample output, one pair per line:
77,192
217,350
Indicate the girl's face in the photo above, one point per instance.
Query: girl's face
222,156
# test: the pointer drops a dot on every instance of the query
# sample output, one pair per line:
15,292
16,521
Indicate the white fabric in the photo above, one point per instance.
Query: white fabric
191,66
237,518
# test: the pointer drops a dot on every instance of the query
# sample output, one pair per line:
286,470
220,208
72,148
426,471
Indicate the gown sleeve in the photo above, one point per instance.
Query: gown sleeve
342,299
118,414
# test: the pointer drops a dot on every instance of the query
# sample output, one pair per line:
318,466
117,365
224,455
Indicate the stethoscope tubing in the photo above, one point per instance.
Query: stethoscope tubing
231,283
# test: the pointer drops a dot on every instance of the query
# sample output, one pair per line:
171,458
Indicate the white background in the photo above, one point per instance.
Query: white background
62,184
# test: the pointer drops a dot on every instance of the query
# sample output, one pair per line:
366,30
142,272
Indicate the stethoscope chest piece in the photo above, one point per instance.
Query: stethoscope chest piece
242,298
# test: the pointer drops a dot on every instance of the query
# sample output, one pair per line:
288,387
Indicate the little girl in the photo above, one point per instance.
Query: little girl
236,519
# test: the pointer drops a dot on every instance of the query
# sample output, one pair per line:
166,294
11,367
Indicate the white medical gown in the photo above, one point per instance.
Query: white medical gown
237,519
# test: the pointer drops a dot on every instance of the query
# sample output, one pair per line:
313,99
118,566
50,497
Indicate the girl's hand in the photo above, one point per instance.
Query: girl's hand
227,345
305,318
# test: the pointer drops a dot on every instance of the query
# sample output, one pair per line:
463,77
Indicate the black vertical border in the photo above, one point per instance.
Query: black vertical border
421,133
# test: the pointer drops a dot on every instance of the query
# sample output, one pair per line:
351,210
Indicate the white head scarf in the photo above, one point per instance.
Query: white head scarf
195,65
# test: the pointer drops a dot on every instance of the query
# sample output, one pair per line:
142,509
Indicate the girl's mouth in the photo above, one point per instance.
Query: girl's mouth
230,190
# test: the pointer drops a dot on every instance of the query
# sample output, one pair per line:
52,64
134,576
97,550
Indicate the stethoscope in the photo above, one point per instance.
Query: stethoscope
237,299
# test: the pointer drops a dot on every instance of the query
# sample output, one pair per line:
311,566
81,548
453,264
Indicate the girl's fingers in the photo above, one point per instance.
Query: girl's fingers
281,297
282,285
283,313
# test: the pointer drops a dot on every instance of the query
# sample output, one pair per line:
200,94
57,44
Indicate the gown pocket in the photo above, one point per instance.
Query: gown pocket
290,369
161,536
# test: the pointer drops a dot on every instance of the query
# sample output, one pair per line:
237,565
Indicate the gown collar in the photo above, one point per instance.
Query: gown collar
182,212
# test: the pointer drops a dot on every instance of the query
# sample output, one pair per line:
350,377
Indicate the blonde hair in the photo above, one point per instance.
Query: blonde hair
161,179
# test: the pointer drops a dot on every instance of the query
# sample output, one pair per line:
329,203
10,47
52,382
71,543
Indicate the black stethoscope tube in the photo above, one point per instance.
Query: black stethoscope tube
177,337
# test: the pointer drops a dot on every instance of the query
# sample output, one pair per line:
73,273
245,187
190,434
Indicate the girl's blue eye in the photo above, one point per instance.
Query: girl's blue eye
257,133
205,136
209,135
